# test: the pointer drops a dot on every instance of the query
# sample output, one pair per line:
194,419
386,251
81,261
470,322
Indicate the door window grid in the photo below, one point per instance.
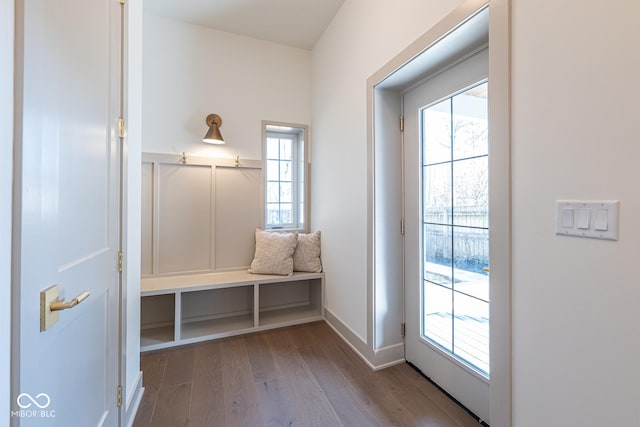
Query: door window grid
455,226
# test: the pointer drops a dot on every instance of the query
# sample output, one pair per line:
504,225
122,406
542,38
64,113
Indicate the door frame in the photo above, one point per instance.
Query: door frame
383,110
6,189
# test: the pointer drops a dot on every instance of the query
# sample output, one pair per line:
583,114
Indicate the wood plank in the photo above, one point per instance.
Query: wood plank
152,366
381,392
263,364
145,412
396,410
349,408
317,409
242,406
278,339
397,404
172,408
207,392
179,368
349,363
374,386
279,404
420,410
471,338
302,336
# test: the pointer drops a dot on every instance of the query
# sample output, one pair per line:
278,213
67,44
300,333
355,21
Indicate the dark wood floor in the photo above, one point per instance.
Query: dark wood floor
298,376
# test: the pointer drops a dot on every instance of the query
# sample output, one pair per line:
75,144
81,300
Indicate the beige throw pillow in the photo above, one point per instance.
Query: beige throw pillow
307,254
274,253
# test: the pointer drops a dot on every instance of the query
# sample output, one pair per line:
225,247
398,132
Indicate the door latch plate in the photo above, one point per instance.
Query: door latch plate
48,318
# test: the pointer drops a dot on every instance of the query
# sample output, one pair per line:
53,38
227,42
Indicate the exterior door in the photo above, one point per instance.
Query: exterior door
69,100
447,235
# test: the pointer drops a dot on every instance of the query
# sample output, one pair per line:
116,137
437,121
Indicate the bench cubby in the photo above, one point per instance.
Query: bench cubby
157,316
177,310
217,311
285,303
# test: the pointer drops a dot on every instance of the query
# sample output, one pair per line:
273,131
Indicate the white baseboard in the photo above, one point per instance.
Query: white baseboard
378,359
389,356
133,401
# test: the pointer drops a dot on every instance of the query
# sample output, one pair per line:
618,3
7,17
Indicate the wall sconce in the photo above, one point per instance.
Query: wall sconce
213,135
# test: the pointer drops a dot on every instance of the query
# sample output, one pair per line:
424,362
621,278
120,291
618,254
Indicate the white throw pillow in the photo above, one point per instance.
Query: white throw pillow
307,254
274,253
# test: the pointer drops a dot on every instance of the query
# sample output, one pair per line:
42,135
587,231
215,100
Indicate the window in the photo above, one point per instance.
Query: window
455,234
285,176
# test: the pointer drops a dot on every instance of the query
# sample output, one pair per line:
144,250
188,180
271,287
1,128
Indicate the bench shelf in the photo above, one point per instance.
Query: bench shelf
177,310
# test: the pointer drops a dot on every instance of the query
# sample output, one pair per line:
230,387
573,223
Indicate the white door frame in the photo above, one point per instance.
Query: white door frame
381,117
6,206
131,376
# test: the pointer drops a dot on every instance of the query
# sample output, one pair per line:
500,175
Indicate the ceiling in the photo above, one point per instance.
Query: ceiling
298,23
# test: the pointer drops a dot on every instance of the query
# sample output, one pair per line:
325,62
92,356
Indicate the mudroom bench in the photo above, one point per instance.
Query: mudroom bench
177,310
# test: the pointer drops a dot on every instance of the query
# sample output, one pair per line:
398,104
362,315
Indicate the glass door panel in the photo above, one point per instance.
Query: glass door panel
455,236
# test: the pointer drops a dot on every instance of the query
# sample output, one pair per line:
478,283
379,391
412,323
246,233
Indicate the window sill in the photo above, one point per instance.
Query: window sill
288,229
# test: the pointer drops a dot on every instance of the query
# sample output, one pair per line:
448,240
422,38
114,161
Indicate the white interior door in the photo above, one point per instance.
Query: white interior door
69,231
447,237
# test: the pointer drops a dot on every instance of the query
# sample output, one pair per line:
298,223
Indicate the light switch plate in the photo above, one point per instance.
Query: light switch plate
48,318
591,217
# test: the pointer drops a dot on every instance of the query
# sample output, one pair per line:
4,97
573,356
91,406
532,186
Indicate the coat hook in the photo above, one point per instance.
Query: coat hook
237,161
184,158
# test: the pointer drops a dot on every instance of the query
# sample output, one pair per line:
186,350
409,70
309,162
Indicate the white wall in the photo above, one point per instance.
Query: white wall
6,181
363,37
575,135
191,71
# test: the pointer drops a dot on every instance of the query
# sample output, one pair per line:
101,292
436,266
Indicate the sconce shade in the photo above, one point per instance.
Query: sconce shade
213,135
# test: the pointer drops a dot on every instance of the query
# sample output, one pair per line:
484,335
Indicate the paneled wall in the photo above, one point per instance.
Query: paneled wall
199,214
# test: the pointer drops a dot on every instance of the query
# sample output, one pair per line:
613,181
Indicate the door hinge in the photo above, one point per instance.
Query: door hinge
402,226
403,328
401,123
120,261
120,127
119,396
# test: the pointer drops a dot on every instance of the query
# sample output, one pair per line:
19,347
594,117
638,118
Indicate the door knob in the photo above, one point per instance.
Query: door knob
50,306
63,305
